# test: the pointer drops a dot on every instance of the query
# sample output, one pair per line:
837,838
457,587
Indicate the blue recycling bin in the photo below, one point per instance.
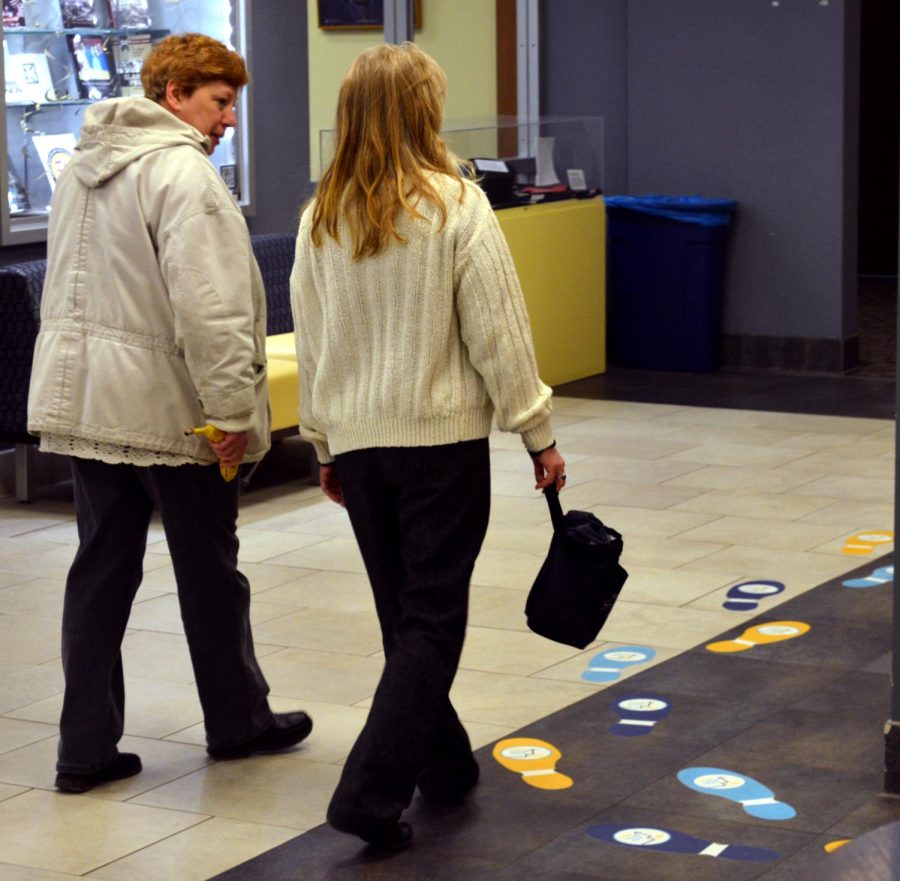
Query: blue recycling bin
666,260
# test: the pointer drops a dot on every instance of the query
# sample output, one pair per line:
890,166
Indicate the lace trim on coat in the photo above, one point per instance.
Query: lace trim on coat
112,454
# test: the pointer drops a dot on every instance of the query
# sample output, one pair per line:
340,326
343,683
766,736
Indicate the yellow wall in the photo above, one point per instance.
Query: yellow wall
459,34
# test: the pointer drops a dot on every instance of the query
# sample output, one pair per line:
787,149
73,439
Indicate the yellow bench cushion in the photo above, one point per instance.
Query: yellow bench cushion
284,392
281,345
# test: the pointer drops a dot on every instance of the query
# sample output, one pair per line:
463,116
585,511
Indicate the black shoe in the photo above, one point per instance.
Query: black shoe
379,834
287,729
125,765
448,791
397,838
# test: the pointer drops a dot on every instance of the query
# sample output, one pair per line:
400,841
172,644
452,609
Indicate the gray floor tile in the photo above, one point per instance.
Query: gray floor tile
804,865
876,812
860,694
761,682
329,856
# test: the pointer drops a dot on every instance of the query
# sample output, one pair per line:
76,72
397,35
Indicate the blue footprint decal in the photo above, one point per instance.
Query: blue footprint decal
756,799
881,575
673,841
745,597
639,714
608,665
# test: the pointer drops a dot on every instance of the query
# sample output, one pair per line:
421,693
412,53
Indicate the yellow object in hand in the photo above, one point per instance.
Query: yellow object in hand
210,432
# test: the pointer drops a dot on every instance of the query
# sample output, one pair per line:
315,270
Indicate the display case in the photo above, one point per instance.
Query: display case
543,159
61,56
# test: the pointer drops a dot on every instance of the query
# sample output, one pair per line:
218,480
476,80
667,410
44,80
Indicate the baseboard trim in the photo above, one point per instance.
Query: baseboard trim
790,354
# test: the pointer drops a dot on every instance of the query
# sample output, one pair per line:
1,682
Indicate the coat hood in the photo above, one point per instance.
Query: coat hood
118,131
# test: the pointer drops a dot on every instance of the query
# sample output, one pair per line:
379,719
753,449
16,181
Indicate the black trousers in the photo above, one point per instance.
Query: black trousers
113,506
420,515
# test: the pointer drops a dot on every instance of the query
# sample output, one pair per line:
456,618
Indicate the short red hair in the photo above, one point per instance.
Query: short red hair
191,60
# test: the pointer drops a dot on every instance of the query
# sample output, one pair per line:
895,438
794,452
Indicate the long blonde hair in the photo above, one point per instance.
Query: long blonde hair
387,133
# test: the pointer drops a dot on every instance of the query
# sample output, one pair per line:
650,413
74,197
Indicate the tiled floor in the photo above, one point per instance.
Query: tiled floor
805,717
706,496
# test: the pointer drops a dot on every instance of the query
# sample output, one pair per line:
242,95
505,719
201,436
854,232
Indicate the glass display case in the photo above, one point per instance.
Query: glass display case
555,157
59,56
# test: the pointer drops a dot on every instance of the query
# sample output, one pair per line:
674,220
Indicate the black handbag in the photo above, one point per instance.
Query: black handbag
574,592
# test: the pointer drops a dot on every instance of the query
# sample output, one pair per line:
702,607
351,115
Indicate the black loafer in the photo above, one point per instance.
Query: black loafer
286,730
125,765
399,837
379,834
439,789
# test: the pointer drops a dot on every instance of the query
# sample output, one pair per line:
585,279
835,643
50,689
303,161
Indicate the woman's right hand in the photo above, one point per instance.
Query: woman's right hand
230,450
331,483
549,468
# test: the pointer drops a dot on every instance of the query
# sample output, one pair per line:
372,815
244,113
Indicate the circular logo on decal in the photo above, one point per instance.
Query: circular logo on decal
642,704
624,656
528,753
641,837
875,537
719,781
778,630
759,589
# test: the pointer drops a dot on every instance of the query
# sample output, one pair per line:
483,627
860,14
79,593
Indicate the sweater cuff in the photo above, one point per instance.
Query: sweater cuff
231,426
538,438
323,455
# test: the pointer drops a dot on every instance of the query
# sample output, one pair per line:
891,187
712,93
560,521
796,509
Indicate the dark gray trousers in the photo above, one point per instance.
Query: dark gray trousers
113,506
420,515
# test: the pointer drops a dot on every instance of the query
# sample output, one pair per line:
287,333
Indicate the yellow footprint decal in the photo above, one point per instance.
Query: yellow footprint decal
534,759
863,543
760,634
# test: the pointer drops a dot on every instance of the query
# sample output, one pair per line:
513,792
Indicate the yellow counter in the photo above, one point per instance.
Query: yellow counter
560,254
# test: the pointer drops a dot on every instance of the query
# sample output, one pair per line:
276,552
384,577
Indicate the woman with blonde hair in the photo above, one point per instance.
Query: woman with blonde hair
412,336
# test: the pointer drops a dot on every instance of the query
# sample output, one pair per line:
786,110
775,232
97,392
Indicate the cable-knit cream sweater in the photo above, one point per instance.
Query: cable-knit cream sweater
422,344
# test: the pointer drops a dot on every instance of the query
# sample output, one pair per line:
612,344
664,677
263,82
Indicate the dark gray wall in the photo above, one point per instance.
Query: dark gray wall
583,70
746,100
742,100
278,66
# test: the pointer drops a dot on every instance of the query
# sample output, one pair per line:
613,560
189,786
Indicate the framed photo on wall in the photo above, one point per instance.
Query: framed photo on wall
359,14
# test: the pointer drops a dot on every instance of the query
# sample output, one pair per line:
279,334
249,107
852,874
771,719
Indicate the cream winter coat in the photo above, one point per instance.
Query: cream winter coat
153,311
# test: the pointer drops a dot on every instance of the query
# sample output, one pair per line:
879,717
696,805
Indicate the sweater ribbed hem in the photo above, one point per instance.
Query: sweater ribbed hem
361,434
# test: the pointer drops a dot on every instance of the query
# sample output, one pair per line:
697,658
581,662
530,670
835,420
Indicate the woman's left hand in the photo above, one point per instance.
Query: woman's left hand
549,468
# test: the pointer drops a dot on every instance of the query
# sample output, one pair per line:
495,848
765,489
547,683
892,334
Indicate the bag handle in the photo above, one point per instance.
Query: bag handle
556,511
